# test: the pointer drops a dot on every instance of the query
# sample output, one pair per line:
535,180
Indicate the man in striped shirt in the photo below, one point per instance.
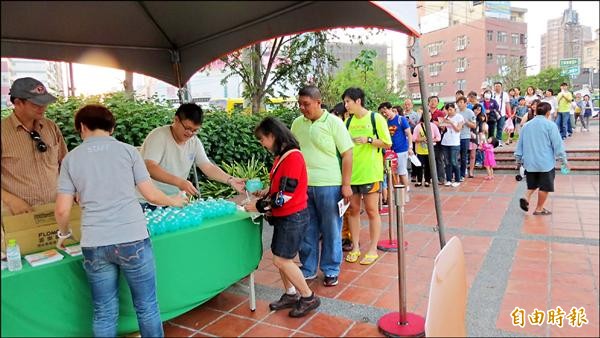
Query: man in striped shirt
32,149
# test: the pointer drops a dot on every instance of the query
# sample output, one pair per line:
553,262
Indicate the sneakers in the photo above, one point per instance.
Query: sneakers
311,277
384,211
455,184
447,184
462,179
286,301
304,306
330,281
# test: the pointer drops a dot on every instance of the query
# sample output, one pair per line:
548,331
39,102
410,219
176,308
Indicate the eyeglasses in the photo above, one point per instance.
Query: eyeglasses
39,144
188,129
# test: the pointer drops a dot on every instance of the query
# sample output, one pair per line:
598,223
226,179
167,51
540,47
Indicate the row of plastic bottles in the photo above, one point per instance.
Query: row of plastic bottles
171,219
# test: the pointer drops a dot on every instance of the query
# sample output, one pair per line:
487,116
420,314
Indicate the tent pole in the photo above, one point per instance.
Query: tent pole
416,52
184,96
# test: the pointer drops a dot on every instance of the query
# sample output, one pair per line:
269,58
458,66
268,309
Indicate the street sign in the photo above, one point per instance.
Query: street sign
570,67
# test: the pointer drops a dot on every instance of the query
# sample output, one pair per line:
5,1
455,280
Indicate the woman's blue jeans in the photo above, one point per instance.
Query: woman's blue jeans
136,261
325,223
451,159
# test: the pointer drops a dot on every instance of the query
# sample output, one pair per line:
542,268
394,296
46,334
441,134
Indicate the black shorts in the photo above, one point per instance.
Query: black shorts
542,180
288,232
366,188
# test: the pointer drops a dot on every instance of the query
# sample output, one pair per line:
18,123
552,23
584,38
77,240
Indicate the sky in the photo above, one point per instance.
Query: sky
95,80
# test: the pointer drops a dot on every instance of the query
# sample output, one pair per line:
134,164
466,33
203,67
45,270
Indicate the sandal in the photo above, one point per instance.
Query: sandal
352,257
523,204
544,212
369,259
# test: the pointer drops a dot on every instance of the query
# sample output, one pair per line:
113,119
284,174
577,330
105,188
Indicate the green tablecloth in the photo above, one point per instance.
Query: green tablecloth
192,265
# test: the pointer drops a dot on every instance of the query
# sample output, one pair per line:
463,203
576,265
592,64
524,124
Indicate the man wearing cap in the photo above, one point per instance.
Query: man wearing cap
32,149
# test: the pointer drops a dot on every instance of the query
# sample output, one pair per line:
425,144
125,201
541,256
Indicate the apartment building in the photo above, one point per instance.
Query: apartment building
467,43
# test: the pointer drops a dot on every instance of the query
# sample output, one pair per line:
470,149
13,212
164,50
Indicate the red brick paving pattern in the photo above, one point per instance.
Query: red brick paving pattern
544,274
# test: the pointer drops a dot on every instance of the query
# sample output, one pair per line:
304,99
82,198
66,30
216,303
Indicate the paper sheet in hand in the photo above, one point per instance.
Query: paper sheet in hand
415,160
342,207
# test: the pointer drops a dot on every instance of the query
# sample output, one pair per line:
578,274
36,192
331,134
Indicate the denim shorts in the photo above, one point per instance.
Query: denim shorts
288,232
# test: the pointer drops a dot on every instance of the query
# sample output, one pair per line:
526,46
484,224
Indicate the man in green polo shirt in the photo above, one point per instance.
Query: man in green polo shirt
322,137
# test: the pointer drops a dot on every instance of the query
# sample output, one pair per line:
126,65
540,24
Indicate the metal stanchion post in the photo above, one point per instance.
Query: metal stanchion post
401,323
389,244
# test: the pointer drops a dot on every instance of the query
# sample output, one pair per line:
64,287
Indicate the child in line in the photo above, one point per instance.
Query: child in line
489,160
520,113
286,207
509,128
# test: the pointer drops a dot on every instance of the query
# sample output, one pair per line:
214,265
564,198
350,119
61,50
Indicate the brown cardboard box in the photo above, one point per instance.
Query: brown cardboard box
36,231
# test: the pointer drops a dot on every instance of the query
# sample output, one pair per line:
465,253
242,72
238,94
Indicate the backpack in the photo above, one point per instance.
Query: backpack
372,124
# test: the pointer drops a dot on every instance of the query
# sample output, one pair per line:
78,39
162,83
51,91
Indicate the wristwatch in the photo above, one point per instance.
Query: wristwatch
370,139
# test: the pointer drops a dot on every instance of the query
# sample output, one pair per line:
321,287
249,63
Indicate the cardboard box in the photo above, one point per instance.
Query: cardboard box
36,231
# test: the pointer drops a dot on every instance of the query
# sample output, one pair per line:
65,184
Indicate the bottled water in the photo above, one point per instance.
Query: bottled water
13,255
564,169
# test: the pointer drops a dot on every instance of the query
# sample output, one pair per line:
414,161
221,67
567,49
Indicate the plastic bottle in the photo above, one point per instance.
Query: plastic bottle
564,169
13,255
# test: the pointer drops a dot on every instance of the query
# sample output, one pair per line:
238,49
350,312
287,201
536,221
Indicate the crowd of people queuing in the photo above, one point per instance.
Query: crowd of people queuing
325,157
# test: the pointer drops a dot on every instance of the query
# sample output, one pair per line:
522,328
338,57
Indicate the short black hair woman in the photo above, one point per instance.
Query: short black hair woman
114,238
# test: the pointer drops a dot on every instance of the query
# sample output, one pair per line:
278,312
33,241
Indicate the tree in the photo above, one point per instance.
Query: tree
288,62
511,74
371,78
547,78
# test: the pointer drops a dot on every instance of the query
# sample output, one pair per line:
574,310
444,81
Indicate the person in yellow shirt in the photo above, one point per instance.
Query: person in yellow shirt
370,134
564,99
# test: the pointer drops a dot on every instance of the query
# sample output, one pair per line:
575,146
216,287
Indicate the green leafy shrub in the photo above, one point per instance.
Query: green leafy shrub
228,138
251,169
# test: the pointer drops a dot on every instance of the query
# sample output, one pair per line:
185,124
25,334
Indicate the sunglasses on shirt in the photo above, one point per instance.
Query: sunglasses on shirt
39,144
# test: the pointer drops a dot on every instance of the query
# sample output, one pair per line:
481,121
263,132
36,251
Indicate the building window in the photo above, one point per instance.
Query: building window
461,65
435,68
589,51
515,38
434,48
502,37
461,85
461,42
490,58
523,39
435,88
490,35
501,59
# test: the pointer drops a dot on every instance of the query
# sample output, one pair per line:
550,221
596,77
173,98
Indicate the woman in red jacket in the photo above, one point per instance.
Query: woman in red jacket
285,205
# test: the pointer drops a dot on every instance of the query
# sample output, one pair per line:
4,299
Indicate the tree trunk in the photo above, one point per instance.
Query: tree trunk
257,92
128,83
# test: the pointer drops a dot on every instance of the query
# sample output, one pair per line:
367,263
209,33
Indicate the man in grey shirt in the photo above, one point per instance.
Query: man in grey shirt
170,152
465,135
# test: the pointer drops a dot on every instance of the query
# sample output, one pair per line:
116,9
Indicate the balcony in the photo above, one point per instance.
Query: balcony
460,69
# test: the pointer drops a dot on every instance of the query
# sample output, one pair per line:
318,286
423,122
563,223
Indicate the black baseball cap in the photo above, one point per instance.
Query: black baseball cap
31,89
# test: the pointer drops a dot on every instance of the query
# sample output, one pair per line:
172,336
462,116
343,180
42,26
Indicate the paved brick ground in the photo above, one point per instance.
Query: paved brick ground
513,260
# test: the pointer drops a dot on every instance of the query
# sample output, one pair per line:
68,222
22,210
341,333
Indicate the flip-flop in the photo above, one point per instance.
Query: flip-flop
544,212
352,257
524,204
369,259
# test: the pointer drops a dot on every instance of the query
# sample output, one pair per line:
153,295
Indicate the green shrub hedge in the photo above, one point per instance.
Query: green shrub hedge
227,138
